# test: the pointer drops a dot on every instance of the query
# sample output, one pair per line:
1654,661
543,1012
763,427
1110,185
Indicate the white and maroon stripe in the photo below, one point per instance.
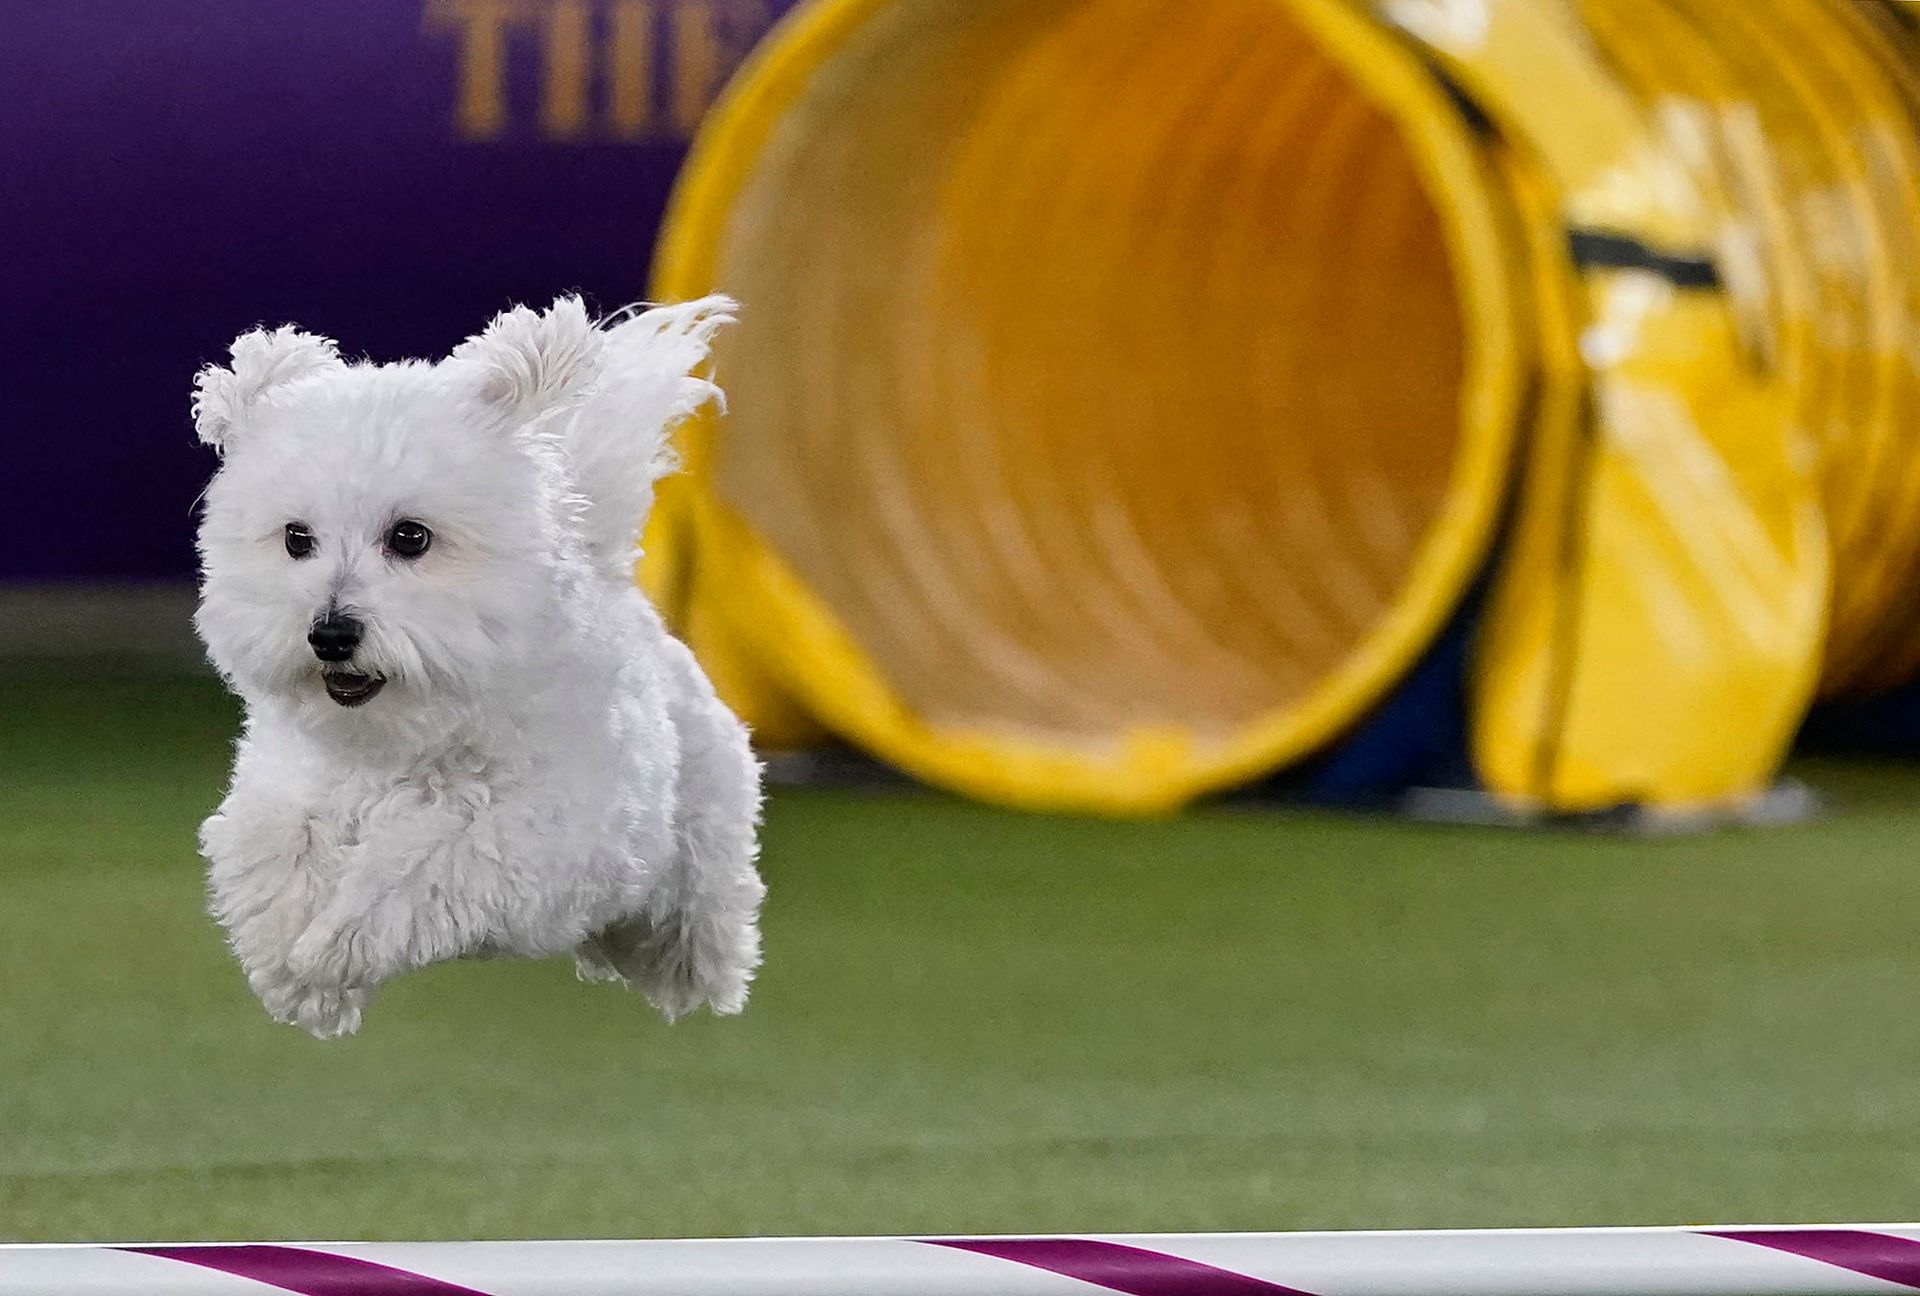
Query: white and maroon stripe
1862,1260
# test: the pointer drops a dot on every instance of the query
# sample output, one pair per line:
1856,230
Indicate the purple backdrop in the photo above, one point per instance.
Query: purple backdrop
388,172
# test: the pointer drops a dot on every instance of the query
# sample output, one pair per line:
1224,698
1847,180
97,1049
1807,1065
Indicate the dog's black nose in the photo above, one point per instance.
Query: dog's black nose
334,637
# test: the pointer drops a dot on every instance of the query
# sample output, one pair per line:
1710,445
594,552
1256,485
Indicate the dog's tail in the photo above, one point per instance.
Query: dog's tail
619,441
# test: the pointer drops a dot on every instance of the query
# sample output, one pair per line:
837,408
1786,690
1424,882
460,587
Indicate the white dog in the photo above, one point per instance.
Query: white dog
467,732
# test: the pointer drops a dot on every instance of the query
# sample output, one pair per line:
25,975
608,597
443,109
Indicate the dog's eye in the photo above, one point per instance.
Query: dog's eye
408,539
300,541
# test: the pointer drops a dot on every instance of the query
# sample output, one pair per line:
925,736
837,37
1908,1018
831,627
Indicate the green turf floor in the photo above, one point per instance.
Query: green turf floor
975,1020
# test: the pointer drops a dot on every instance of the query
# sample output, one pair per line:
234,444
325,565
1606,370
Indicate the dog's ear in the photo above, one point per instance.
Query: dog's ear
531,362
262,360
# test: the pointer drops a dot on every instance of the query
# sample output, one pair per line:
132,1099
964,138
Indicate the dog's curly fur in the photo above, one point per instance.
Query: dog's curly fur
543,768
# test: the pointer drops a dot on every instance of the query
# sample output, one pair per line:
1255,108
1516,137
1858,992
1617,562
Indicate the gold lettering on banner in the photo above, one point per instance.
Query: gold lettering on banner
480,27
613,69
697,56
630,54
565,100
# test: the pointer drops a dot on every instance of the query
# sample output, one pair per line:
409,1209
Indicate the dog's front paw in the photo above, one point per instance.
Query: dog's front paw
330,951
323,1010
676,963
328,1012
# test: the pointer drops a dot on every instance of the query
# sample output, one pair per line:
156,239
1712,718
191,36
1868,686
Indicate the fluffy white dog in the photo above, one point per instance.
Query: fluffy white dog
466,731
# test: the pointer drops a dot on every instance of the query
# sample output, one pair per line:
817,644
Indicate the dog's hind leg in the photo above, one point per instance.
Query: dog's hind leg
698,940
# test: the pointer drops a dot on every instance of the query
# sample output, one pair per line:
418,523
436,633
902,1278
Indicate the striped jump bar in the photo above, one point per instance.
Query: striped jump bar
1855,1260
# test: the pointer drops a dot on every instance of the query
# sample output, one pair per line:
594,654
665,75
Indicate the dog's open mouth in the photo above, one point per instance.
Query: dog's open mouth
351,688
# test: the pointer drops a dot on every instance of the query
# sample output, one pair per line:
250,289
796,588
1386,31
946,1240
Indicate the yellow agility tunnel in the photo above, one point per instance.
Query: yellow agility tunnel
1128,395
